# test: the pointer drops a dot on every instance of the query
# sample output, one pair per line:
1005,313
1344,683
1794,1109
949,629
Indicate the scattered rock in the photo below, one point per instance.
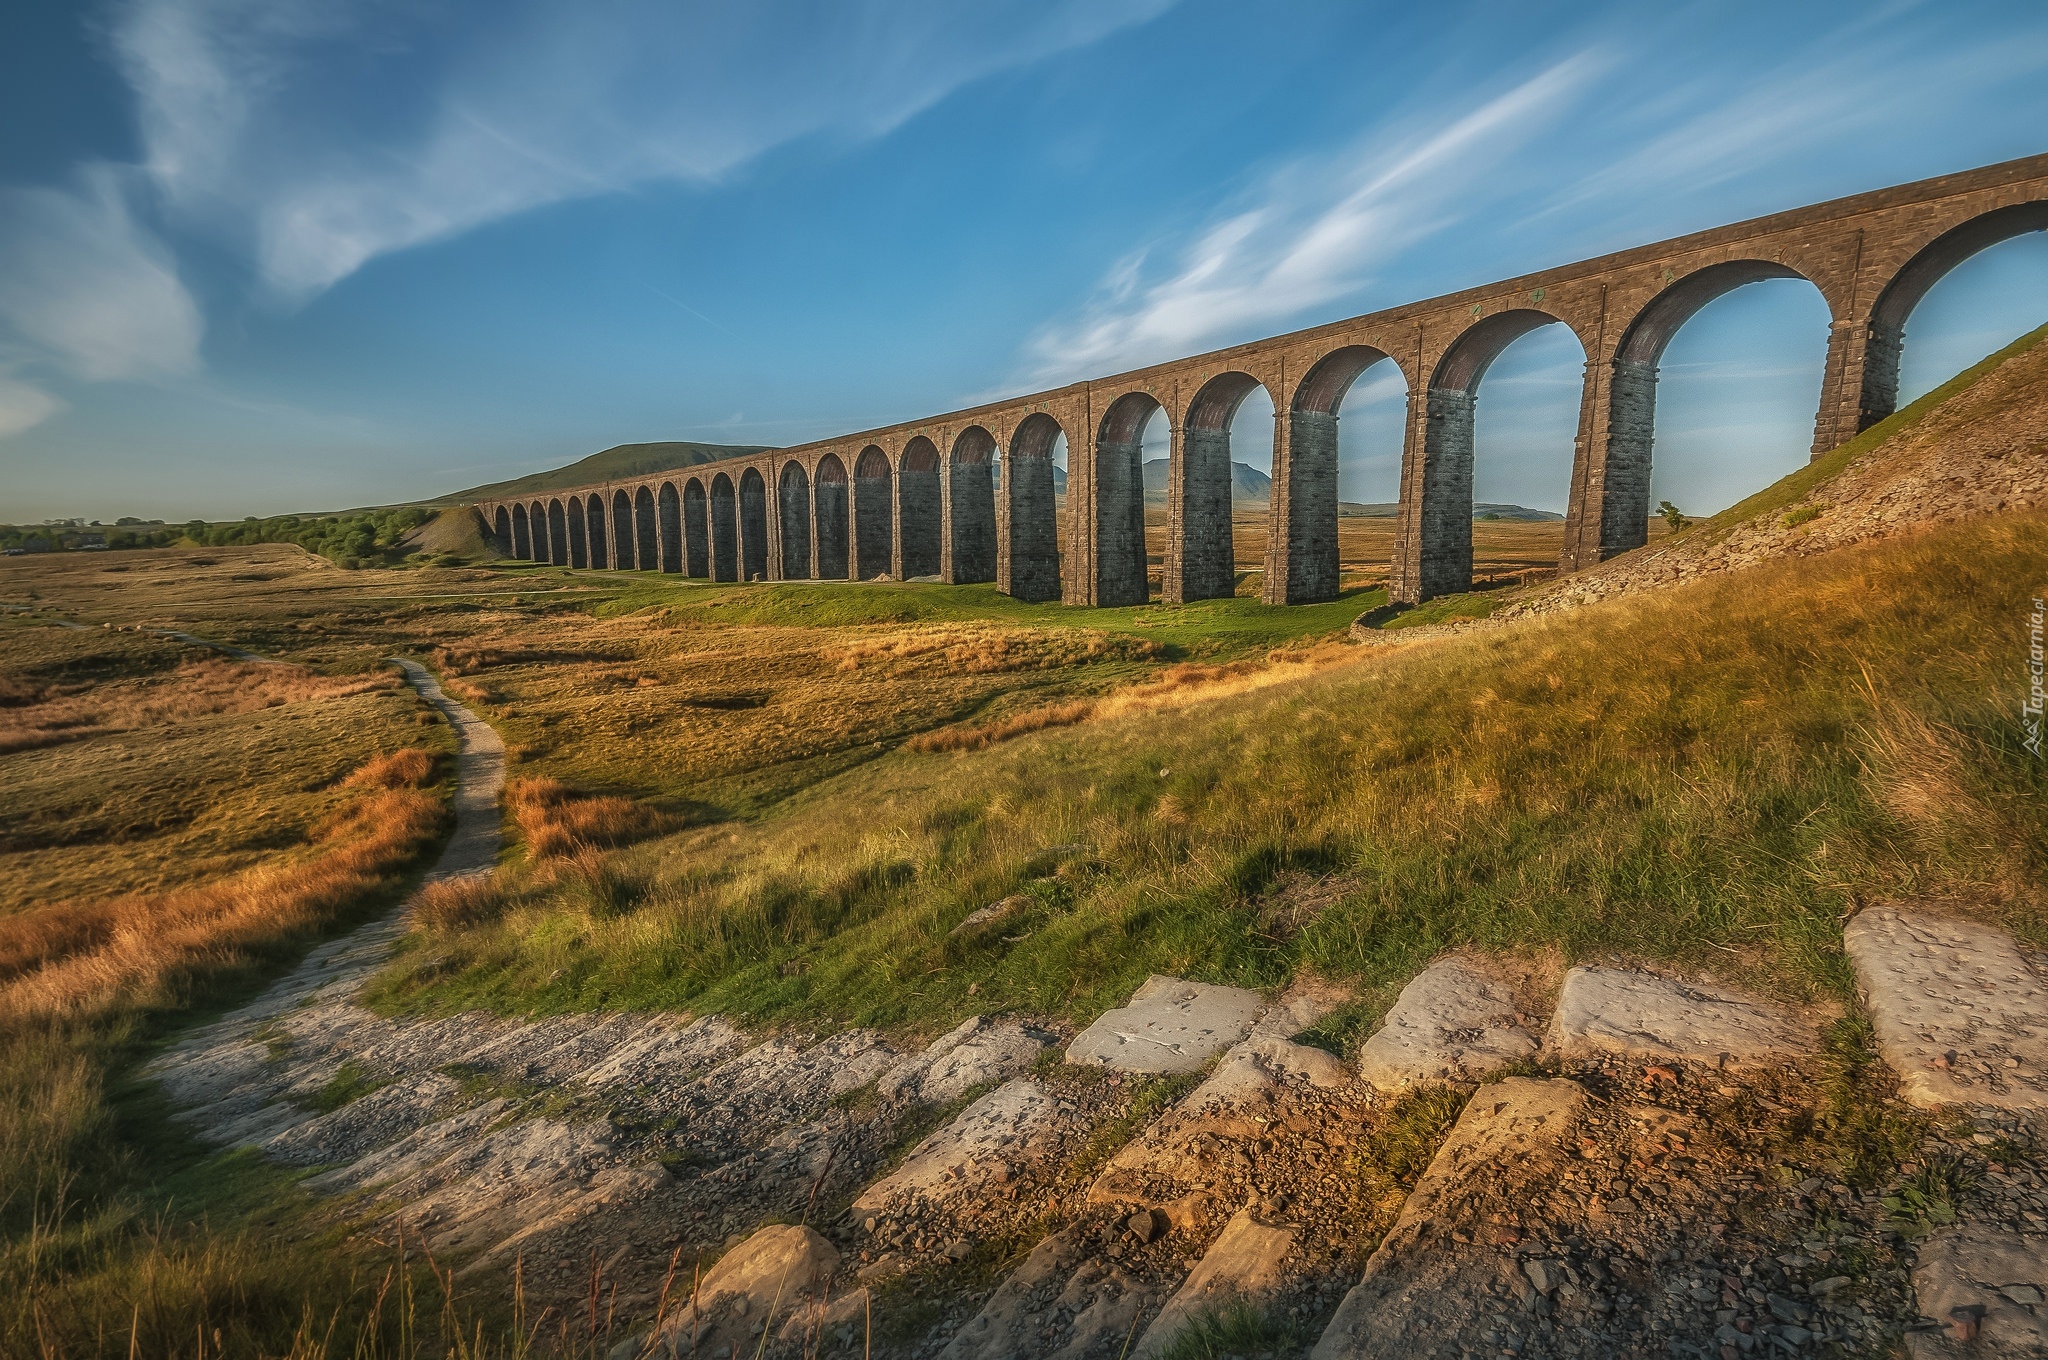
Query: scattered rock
1167,1026
1613,1010
1959,1014
995,913
1451,1023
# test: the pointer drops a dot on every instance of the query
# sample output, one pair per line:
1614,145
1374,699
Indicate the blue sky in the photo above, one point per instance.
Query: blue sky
269,255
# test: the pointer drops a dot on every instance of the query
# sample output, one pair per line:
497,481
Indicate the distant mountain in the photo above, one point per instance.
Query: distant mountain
1247,483
616,464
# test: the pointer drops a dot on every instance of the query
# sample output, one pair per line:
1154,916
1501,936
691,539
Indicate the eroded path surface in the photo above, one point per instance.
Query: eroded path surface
1646,1183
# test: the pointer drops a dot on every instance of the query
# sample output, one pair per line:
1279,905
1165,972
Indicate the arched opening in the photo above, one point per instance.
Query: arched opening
920,508
1030,565
647,540
501,530
522,536
753,526
871,514
1317,467
542,552
725,555
833,510
669,508
1201,549
795,491
558,534
586,533
972,492
2010,287
696,530
1528,432
1713,392
1915,281
1120,561
623,554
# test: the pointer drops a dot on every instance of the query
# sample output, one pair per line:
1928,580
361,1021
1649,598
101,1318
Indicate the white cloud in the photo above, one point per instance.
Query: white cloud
324,133
88,288
23,406
1314,232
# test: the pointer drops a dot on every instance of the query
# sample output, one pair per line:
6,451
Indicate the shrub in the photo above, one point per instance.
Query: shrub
556,821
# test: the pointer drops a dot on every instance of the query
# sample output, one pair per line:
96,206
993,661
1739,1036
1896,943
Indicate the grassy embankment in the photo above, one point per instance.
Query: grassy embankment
242,798
1711,776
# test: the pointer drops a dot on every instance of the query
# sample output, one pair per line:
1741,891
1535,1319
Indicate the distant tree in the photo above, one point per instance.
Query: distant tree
1673,516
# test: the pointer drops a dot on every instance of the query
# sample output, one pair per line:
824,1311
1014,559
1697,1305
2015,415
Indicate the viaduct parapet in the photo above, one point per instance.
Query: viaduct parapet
924,498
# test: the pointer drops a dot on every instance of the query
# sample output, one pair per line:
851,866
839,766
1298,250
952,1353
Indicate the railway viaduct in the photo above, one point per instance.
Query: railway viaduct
924,498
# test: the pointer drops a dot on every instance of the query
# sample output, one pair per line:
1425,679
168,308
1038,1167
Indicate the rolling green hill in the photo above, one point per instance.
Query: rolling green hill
617,463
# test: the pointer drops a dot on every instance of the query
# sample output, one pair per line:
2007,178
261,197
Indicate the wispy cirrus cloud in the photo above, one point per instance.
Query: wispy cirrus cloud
1320,231
85,292
1314,230
323,134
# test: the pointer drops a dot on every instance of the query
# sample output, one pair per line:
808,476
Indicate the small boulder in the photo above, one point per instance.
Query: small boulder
772,1274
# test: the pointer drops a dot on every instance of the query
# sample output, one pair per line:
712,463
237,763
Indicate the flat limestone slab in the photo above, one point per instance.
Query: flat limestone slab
1006,1127
1412,1294
1243,1264
1168,1025
1451,1023
1958,1012
2005,1274
980,1050
1639,1015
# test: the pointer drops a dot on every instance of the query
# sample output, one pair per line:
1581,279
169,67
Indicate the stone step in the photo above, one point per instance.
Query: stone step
1453,1022
1959,1012
1634,1014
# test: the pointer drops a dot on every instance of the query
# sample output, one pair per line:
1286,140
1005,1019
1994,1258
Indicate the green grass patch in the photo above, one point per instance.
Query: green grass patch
349,1084
1237,1329
1789,490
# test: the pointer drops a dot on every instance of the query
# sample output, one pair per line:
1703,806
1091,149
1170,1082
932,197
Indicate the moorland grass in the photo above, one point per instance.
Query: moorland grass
1711,776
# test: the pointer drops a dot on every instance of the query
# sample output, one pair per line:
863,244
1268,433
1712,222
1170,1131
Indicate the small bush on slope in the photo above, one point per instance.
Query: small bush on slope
1712,775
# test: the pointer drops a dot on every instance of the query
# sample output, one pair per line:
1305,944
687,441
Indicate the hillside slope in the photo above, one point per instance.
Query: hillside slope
617,463
1977,445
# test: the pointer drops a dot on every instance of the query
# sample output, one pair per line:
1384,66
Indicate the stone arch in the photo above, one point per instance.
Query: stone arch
1623,490
558,533
522,535
1305,490
696,529
593,531
725,548
794,492
538,514
668,505
1912,283
623,546
501,531
1029,564
872,540
753,525
834,515
1201,558
579,550
647,542
1119,508
1434,541
970,507
920,508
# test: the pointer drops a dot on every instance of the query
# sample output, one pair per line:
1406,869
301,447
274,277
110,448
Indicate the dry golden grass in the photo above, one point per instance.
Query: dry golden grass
556,821
34,715
1184,684
65,960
